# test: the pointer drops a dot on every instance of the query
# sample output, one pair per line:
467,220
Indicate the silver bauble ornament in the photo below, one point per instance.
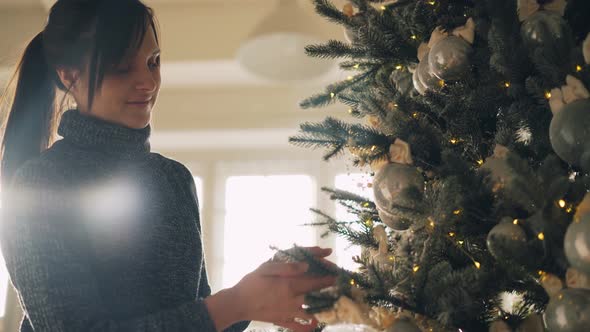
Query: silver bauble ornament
388,183
568,311
351,35
506,234
393,221
402,79
569,133
417,84
403,325
577,244
544,28
426,77
449,58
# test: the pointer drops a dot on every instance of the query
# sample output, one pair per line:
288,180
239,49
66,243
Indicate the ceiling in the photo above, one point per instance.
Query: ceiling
203,87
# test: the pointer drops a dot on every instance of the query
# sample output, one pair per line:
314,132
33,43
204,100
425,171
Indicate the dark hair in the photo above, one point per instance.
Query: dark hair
93,35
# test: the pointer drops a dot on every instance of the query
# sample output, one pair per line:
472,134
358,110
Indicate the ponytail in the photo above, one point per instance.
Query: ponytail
30,123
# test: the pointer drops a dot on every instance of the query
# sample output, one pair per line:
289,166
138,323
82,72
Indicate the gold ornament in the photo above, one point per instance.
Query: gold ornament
583,208
399,152
574,278
381,257
572,91
345,310
551,283
382,317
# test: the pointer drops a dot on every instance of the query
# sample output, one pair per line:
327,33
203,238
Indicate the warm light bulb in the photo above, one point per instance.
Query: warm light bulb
414,37
451,234
332,94
356,66
480,162
457,212
548,94
561,203
398,67
507,84
416,268
541,236
477,264
578,68
515,221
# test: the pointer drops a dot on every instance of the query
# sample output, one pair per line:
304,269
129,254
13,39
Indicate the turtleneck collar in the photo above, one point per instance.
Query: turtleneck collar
94,133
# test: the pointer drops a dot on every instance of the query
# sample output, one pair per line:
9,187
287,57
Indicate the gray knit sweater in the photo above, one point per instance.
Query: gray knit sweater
100,234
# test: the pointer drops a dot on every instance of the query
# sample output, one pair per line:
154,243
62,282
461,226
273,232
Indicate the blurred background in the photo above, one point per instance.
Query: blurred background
233,73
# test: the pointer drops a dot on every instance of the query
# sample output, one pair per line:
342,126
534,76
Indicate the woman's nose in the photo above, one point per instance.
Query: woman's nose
147,81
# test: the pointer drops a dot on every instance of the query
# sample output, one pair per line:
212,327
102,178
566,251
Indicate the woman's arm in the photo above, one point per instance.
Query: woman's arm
57,289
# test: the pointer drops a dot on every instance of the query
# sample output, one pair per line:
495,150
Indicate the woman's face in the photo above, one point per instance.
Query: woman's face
129,93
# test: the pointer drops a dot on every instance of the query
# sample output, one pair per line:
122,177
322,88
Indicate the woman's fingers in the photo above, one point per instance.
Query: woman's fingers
318,251
281,269
307,284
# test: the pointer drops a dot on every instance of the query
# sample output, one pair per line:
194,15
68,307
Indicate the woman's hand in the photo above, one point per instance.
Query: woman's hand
275,292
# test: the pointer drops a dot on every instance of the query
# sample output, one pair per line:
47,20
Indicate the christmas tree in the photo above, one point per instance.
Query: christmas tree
478,138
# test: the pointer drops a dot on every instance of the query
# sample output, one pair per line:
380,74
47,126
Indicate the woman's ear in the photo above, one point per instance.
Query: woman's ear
68,77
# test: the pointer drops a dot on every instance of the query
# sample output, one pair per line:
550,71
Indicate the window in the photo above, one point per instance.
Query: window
199,186
357,183
261,211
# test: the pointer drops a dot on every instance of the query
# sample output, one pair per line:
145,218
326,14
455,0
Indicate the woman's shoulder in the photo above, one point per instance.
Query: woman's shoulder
172,164
43,169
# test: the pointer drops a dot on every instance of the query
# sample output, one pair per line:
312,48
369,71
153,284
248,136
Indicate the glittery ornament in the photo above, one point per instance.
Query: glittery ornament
449,58
568,311
402,79
569,133
500,172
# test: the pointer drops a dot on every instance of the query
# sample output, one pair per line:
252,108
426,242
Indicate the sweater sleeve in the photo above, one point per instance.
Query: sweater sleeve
204,288
42,249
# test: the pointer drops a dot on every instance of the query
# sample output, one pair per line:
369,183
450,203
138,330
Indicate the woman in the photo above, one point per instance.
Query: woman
98,233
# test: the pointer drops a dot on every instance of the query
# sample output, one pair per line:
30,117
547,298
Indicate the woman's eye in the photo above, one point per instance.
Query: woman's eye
156,63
